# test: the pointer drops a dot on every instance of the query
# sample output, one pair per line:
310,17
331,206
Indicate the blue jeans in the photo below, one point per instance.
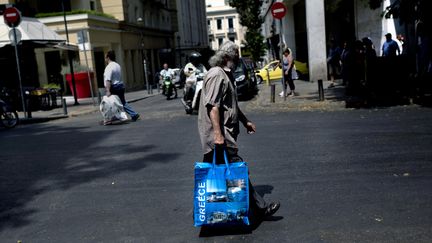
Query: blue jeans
119,90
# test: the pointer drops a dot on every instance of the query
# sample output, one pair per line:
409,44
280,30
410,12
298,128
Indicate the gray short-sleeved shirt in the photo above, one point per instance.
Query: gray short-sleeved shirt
218,91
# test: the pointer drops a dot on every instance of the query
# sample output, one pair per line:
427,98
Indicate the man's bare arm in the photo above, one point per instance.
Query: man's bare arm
108,88
215,120
250,127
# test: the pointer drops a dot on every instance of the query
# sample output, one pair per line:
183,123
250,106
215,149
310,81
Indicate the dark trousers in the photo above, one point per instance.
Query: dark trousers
257,205
288,80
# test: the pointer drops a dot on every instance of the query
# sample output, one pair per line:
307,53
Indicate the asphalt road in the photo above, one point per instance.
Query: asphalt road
342,176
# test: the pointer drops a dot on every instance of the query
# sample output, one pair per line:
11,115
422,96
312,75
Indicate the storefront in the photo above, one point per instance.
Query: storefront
36,42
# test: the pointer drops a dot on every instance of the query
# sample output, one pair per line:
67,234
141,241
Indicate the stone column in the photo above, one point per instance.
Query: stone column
316,35
288,30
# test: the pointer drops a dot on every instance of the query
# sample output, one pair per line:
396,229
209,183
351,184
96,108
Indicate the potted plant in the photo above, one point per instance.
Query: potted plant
81,77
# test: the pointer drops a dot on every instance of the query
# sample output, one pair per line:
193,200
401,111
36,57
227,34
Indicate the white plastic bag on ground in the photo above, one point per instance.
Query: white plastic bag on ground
112,109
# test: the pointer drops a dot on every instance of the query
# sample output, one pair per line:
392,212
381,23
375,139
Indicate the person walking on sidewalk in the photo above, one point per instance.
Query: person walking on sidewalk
114,83
333,62
390,47
287,67
219,117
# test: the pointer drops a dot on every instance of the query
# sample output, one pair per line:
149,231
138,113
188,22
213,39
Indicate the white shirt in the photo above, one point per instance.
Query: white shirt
112,74
167,72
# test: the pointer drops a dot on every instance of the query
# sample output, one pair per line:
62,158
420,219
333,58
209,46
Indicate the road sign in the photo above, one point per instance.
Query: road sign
278,10
12,17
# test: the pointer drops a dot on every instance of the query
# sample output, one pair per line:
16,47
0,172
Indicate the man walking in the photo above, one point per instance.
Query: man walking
390,47
114,83
219,116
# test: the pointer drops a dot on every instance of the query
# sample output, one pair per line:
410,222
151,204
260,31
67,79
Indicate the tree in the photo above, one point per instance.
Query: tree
249,11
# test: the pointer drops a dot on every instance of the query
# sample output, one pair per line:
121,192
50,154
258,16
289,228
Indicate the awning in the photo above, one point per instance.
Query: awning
31,30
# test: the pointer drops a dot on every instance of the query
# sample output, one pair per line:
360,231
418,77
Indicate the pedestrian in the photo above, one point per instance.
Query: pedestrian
114,84
333,61
167,72
219,117
287,68
346,62
370,64
400,40
390,47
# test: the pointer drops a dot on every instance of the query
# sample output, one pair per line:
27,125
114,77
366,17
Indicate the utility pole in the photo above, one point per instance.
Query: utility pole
70,57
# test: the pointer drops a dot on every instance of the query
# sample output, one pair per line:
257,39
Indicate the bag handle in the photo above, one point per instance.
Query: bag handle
225,158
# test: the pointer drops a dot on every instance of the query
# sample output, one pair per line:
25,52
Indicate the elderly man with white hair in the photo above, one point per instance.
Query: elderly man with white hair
219,117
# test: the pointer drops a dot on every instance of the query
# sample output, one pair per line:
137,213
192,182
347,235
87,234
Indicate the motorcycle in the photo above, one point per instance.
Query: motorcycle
168,88
8,116
192,97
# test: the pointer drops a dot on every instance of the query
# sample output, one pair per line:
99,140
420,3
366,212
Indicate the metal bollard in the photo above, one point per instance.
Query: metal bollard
272,93
320,90
268,76
27,105
65,112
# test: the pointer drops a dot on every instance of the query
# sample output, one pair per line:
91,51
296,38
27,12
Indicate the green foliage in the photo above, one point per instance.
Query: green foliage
249,11
255,44
407,11
79,11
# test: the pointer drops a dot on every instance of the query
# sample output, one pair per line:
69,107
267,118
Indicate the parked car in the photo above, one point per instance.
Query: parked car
275,71
245,79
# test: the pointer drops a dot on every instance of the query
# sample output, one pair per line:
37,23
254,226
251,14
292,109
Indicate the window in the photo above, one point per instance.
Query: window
219,24
220,41
92,5
230,23
232,39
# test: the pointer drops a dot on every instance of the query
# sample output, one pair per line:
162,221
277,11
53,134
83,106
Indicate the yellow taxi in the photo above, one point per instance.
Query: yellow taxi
275,71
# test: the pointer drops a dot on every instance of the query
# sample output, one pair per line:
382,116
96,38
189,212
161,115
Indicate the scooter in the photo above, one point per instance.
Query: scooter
8,116
191,99
168,88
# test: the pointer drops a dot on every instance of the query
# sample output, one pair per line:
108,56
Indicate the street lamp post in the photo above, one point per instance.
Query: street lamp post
70,57
179,50
149,89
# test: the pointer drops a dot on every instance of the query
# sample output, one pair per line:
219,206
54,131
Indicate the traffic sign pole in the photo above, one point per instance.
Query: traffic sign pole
19,71
278,11
281,55
12,18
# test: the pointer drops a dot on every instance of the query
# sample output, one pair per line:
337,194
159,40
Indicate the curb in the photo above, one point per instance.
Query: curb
24,121
308,100
77,113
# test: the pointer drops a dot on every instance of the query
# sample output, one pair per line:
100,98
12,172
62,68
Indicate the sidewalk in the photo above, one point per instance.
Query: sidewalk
306,99
86,106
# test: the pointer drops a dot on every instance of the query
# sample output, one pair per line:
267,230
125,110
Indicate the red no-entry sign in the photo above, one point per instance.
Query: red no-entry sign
278,10
12,17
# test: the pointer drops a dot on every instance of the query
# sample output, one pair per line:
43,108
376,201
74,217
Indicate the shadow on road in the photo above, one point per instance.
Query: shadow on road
56,161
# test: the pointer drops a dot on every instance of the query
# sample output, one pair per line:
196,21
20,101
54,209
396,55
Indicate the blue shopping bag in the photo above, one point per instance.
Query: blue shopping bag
221,195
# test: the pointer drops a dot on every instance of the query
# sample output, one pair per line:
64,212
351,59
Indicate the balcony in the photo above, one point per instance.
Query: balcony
231,32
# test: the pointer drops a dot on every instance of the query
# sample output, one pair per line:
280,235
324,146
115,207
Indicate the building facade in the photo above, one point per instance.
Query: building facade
309,25
191,29
147,30
223,24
